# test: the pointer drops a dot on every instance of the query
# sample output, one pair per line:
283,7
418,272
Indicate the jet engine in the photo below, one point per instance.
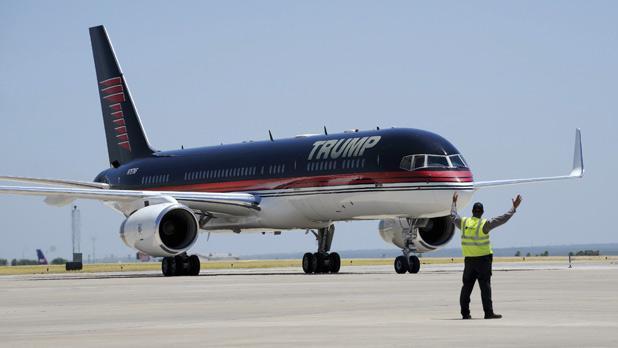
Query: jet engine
160,230
430,234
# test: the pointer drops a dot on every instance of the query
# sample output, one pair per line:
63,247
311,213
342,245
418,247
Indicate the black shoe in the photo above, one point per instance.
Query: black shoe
466,316
493,316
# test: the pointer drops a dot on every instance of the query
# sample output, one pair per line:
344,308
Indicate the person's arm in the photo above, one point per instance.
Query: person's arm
502,219
454,216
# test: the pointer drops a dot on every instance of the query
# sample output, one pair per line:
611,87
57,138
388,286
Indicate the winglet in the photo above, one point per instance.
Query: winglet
578,156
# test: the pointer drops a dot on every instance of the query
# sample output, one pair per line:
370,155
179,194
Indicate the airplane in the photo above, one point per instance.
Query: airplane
41,259
402,177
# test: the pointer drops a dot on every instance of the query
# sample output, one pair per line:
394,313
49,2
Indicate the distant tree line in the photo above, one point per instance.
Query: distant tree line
571,253
28,262
585,253
24,262
545,253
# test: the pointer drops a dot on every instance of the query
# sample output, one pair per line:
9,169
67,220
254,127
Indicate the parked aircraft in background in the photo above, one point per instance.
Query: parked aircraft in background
41,257
403,177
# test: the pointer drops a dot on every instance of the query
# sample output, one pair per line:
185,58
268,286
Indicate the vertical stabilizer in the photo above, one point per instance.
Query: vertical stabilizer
41,259
126,139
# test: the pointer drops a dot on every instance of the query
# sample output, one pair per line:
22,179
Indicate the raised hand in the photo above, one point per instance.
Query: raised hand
517,201
455,196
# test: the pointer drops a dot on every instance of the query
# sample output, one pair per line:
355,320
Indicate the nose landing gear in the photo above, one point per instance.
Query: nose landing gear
322,261
408,262
405,264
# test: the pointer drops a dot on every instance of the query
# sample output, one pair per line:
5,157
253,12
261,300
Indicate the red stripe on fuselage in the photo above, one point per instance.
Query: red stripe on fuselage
428,176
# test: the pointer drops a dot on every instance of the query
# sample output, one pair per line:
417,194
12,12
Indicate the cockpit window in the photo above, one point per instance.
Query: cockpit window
414,162
419,161
457,161
437,161
406,163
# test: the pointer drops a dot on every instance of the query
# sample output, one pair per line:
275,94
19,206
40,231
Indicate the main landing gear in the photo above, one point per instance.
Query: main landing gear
408,262
405,264
322,261
181,265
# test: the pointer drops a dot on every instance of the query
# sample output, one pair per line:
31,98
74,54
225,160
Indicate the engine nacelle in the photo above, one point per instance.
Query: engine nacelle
161,229
432,233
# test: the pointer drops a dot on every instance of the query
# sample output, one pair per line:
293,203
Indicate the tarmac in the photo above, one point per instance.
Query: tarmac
544,305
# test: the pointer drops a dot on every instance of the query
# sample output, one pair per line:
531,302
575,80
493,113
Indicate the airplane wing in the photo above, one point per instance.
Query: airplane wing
65,183
225,203
576,172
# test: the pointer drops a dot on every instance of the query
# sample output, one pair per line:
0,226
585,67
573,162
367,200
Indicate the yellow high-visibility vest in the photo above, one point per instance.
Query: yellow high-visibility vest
474,242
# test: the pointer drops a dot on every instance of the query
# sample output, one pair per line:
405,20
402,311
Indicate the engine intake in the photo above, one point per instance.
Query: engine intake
434,233
160,230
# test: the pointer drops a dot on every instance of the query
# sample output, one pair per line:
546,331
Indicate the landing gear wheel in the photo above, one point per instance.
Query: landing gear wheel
194,265
168,266
315,263
182,265
321,258
401,264
308,263
415,264
334,262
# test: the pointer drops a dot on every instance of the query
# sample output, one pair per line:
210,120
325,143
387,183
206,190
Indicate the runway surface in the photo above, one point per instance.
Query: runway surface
543,305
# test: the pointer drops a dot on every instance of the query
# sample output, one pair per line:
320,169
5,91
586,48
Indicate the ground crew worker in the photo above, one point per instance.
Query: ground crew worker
477,253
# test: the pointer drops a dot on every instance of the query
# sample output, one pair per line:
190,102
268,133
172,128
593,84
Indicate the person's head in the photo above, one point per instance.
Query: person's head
477,210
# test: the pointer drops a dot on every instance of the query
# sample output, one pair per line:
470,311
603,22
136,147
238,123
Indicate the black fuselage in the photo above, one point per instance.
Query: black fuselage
252,166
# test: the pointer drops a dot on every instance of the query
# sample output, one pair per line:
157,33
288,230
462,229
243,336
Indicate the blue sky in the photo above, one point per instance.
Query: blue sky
506,82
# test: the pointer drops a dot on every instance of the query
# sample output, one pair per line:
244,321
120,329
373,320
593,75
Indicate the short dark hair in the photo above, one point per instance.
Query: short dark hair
478,206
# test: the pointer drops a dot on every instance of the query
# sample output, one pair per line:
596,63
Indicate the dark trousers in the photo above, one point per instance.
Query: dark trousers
476,268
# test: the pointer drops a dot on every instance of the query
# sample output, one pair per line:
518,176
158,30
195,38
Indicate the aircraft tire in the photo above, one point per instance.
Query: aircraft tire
334,262
308,263
401,264
182,265
168,266
415,264
316,263
194,265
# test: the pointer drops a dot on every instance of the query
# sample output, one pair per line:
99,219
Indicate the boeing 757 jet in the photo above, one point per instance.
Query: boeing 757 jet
403,177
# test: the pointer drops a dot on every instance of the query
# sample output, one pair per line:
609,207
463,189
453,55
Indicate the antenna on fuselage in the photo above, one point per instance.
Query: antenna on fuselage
270,135
325,131
378,128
